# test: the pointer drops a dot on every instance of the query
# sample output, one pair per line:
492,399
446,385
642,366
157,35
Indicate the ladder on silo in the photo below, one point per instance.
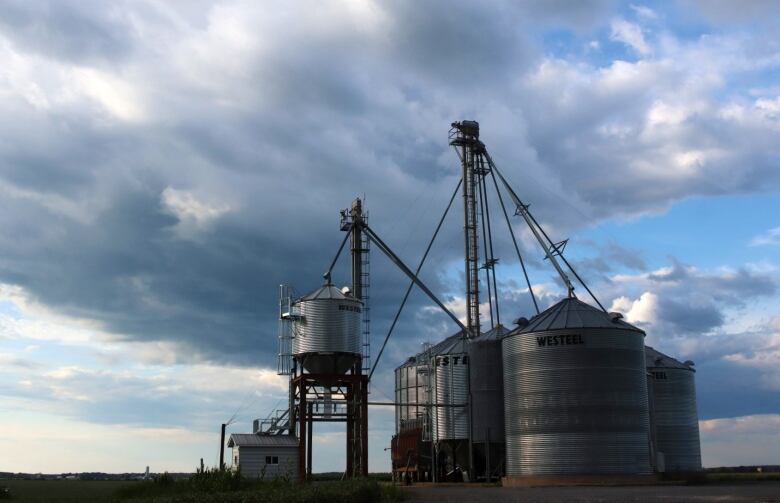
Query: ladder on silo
365,280
285,330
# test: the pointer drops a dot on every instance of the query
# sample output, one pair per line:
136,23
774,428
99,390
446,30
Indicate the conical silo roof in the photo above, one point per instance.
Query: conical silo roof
495,333
327,292
572,313
654,358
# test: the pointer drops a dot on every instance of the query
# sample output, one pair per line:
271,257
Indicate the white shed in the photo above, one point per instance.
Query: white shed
266,456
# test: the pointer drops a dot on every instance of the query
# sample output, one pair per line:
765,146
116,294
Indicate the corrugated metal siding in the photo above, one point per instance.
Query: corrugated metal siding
578,405
253,465
327,326
451,387
676,419
411,393
487,390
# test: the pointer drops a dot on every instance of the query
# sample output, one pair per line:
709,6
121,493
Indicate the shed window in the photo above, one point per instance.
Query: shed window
272,460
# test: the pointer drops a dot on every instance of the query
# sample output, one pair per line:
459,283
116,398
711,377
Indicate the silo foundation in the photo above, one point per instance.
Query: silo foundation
577,480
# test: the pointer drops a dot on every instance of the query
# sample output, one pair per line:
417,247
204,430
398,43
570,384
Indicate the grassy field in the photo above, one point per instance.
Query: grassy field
203,488
227,488
741,476
62,491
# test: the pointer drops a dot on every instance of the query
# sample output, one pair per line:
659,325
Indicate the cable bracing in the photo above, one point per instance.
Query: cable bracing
412,281
514,242
550,248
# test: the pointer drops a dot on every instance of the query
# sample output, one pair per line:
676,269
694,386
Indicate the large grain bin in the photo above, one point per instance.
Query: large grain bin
414,383
411,393
487,402
450,380
676,422
575,394
326,331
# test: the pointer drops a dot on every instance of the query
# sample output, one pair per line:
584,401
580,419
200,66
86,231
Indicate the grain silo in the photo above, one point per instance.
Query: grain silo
450,386
675,420
411,393
575,394
487,403
326,330
450,409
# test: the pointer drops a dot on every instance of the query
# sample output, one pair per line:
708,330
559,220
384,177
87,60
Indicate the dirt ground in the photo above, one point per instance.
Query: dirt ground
763,492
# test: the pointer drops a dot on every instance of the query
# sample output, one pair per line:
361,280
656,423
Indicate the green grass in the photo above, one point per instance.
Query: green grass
212,486
62,491
741,476
257,491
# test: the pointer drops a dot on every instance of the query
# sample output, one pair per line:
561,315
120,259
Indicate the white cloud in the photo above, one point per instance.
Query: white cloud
255,104
643,310
631,35
114,93
71,446
41,323
770,237
746,440
762,353
644,12
194,214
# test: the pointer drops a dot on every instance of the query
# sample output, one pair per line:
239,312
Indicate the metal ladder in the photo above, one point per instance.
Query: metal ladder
365,279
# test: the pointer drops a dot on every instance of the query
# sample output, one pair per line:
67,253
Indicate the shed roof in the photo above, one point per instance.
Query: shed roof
254,440
573,313
654,358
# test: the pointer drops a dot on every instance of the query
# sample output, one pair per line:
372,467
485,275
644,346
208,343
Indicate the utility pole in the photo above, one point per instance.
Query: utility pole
222,448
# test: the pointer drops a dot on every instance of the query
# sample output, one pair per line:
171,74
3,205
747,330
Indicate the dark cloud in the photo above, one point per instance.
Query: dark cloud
726,389
686,317
76,31
723,11
273,119
734,288
611,257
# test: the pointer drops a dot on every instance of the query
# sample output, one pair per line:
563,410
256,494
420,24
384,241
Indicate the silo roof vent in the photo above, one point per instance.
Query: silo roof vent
521,322
654,358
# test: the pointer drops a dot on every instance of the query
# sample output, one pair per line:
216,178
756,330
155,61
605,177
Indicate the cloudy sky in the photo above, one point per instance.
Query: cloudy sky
164,166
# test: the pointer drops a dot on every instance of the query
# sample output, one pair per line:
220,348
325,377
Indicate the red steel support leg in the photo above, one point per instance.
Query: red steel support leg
350,431
302,430
364,425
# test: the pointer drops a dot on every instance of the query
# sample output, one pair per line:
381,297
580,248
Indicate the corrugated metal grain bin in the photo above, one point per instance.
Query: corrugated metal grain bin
575,394
326,331
487,386
450,366
676,421
487,402
411,393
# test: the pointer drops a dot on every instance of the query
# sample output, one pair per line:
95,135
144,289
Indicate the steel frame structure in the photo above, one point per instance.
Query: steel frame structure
464,136
312,395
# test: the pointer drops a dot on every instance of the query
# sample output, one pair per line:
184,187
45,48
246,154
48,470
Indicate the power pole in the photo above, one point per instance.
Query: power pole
222,448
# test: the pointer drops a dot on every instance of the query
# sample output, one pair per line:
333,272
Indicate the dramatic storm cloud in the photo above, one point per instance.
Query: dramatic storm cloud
164,166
